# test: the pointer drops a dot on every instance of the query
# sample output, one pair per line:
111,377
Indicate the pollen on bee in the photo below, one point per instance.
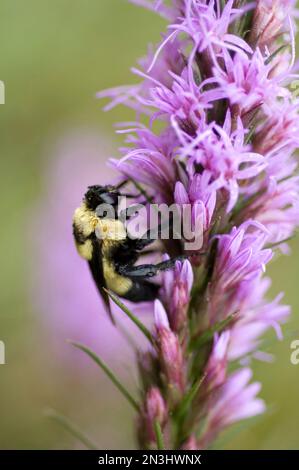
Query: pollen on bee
94,222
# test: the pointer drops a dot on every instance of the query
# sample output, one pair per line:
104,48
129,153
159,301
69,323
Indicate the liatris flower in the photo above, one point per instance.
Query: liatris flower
247,82
228,128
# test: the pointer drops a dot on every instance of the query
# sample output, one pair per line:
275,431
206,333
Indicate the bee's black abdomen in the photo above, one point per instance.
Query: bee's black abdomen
142,291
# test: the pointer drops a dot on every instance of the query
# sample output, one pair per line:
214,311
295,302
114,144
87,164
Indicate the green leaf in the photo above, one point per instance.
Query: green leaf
208,335
188,399
142,191
250,134
71,428
275,53
286,240
159,435
108,372
132,317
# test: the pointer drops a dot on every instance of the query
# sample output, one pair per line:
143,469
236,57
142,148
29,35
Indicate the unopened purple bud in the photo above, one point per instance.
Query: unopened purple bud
155,407
171,358
177,288
216,367
268,21
154,411
161,319
169,350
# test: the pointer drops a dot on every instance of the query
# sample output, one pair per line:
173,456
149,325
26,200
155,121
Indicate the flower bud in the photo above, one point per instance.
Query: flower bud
216,366
155,408
171,358
268,21
176,293
169,350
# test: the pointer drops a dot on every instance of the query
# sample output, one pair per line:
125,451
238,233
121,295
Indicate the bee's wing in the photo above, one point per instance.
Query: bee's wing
96,268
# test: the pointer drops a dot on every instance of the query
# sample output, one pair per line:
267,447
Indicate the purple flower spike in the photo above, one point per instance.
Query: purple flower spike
214,133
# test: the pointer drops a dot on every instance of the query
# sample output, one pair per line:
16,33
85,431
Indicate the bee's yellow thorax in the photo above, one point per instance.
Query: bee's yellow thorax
110,230
85,220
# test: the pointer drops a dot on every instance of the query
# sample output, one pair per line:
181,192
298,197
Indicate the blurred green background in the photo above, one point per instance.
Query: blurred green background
54,56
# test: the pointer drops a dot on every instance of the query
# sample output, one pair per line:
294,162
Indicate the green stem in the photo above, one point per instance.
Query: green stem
200,340
159,436
286,240
188,399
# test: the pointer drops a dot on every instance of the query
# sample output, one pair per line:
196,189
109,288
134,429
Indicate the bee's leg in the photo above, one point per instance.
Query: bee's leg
141,191
141,243
142,291
150,252
130,196
144,271
121,184
124,183
130,211
138,244
149,237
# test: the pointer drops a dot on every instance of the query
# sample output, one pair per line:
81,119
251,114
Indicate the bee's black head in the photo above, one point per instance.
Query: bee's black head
97,195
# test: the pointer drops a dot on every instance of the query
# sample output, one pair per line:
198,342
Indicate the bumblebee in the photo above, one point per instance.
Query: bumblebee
111,254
